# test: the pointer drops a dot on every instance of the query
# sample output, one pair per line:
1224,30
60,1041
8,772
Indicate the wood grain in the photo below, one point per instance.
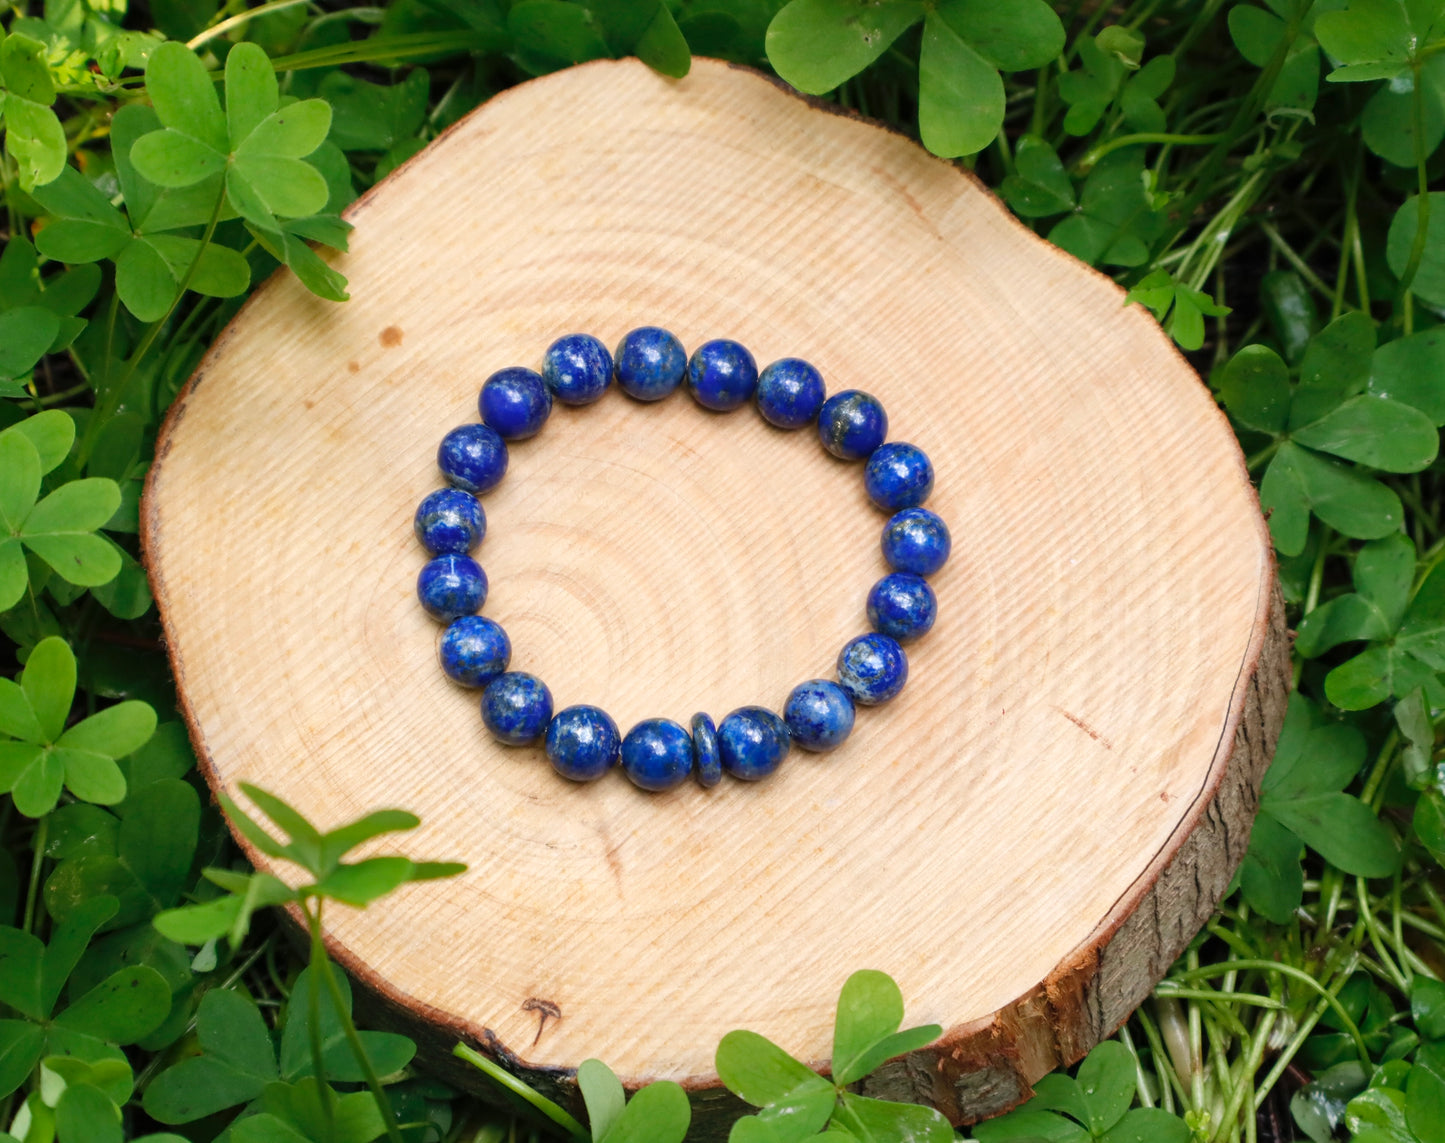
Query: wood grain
1024,839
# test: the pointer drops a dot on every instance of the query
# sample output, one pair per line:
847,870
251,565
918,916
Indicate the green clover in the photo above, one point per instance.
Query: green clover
34,137
43,755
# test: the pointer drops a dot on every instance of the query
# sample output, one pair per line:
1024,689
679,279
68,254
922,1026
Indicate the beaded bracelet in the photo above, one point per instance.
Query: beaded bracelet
583,742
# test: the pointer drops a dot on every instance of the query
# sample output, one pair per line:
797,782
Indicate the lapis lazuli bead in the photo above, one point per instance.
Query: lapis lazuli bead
897,476
706,761
450,521
650,363
515,402
916,540
577,368
721,375
753,741
819,715
583,743
852,424
451,586
516,707
474,650
657,754
473,457
902,606
872,669
790,393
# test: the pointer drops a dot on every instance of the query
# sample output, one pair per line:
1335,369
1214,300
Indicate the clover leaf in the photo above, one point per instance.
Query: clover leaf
120,1010
1186,308
61,528
1092,1106
37,315
1429,279
1115,219
34,138
1302,803
1388,121
796,1102
1352,401
816,45
1258,33
1379,39
41,754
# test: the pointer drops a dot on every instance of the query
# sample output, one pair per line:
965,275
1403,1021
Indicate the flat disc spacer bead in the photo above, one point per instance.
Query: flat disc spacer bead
852,424
706,760
516,707
583,743
872,669
474,650
657,754
819,715
753,742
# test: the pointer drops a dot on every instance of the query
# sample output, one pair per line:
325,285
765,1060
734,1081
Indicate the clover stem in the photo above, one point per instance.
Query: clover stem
238,19
107,402
348,1026
1422,222
505,1079
32,893
318,1055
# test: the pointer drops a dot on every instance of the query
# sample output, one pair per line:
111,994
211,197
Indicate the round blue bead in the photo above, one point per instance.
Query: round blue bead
516,707
515,402
721,375
583,743
898,476
753,741
577,368
852,424
450,521
705,757
790,393
650,363
902,606
451,586
819,715
474,650
473,457
872,669
657,754
916,540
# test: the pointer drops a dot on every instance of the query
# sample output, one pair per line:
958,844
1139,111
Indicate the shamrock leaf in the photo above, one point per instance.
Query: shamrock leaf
1302,802
1388,122
50,304
1040,187
870,1008
816,45
1089,90
1429,280
1186,308
1114,221
1258,34
1379,39
43,755
34,137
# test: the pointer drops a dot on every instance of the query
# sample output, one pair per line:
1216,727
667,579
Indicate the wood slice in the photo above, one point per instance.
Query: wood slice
1024,839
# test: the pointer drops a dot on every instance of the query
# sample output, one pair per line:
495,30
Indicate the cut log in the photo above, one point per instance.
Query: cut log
1025,838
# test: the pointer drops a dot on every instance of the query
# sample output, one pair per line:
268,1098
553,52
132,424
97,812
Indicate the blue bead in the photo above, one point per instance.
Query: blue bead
872,669
753,741
577,368
790,393
705,758
657,754
516,707
721,375
902,606
852,424
583,743
650,363
473,457
474,650
451,586
916,540
819,715
450,521
515,403
898,476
